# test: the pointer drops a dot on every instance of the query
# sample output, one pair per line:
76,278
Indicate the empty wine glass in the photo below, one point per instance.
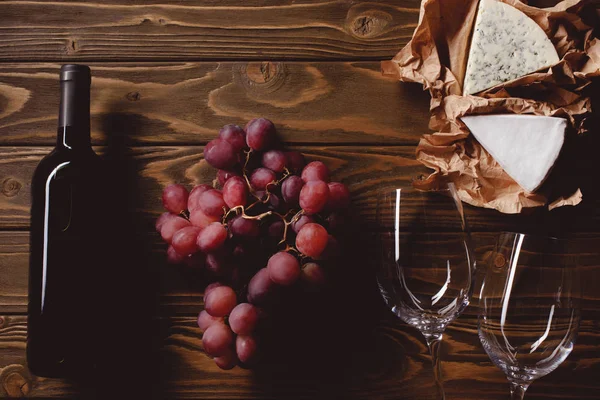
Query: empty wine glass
529,307
426,269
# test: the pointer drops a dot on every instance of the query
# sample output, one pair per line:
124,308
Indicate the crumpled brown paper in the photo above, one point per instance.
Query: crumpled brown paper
436,57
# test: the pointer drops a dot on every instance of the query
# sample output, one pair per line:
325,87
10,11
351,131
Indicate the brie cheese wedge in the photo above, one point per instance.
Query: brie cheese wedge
525,146
506,45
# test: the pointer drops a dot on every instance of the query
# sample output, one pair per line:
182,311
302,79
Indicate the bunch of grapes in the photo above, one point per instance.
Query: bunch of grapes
271,225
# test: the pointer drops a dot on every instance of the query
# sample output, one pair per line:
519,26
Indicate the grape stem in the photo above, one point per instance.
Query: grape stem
257,217
258,200
286,224
185,214
238,209
266,199
292,249
230,211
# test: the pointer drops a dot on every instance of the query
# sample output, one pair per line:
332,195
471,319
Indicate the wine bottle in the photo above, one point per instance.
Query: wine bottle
68,233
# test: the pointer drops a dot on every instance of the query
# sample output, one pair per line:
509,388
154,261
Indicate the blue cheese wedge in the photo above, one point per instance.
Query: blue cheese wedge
525,146
506,45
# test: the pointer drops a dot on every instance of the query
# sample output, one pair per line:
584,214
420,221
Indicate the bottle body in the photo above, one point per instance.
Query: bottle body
67,233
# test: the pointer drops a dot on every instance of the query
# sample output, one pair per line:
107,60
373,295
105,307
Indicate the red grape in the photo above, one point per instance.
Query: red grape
246,348
339,196
220,154
217,339
274,160
227,361
290,190
205,320
240,226
171,226
313,196
164,217
217,263
300,222
260,134
260,287
174,198
220,301
313,274
194,197
201,220
295,161
212,237
224,175
211,203
235,192
261,177
275,230
184,240
235,135
173,257
312,240
315,171
284,268
210,287
243,318
230,249
275,203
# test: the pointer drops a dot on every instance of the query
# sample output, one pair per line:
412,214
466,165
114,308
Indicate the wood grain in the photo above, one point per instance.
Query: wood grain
178,290
167,76
187,103
377,360
144,171
196,30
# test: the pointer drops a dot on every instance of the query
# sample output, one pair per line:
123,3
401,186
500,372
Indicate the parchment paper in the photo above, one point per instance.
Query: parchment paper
436,57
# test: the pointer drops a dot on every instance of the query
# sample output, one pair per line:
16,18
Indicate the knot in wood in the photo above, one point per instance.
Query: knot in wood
11,187
153,20
2,322
133,96
260,78
364,23
499,261
261,72
71,46
15,381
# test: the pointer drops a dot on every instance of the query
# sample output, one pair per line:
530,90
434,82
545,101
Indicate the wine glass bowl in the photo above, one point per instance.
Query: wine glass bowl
529,307
425,273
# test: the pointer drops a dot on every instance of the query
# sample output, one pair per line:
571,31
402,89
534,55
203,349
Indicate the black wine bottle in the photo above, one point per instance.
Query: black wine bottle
68,234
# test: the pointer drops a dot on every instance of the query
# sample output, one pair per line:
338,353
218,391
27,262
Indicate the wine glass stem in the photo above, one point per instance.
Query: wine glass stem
434,342
517,390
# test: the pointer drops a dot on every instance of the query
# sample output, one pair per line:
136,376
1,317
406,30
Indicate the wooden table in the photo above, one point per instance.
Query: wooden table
166,77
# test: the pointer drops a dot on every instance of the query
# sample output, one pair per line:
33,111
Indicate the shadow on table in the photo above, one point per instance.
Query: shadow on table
129,344
340,343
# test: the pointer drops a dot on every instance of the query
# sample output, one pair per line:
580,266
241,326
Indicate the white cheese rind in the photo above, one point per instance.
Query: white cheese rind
525,146
506,45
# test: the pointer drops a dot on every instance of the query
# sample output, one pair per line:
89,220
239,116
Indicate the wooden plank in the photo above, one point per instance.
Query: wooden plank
376,359
194,30
145,171
187,103
176,290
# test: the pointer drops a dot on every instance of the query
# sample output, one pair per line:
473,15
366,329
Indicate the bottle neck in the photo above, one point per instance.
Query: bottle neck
74,112
73,138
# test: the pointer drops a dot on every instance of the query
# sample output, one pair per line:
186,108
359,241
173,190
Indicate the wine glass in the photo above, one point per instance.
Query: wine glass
529,307
426,269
